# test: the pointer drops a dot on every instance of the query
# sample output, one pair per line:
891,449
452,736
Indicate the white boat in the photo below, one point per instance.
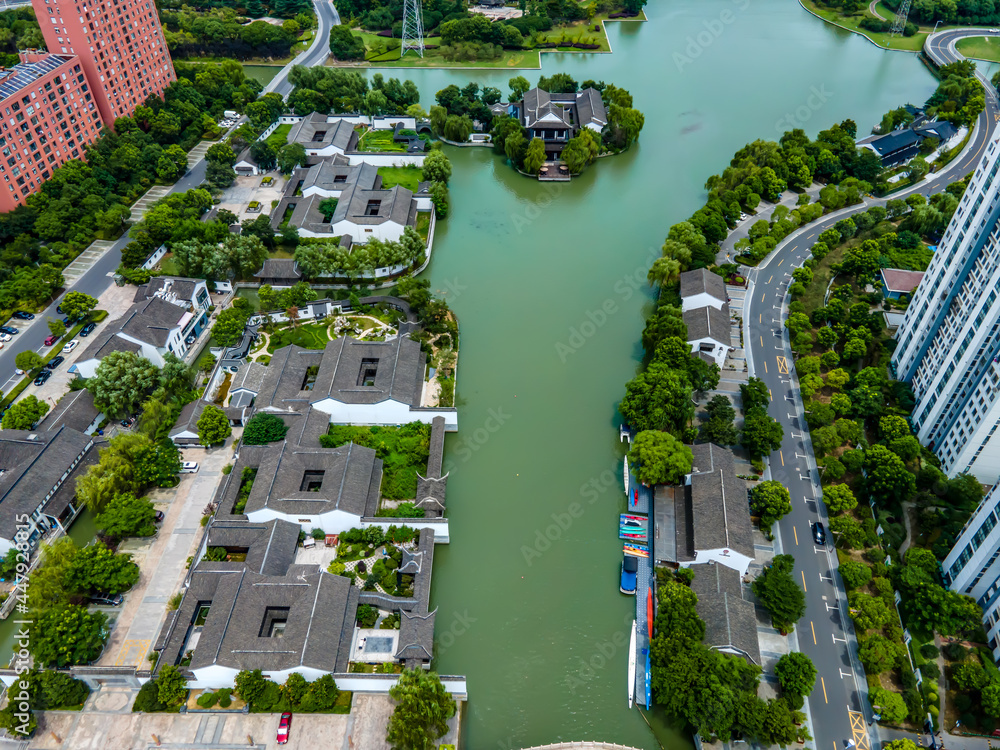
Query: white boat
631,667
626,478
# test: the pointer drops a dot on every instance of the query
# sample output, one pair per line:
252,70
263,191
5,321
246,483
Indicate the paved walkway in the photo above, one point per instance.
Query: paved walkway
874,12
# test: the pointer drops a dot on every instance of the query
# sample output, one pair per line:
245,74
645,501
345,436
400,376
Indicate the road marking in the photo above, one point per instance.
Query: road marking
830,606
796,533
799,455
804,580
836,639
765,363
859,731
828,580
760,318
823,683
762,341
782,364
813,629
769,280
781,261
762,296
842,674
770,394
782,457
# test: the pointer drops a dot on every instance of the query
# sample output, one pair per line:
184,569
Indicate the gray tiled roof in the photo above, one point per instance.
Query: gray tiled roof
314,132
335,173
189,416
249,377
702,281
730,620
394,205
720,513
416,636
152,320
75,410
177,287
539,110
708,323
107,341
270,546
279,268
590,108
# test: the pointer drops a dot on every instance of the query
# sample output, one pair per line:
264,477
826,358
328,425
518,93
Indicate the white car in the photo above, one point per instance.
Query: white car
5,337
189,467
70,346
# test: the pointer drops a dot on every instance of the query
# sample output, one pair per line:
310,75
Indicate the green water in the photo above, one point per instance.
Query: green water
523,264
262,73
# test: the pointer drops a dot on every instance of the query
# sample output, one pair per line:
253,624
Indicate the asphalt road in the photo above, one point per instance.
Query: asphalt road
101,275
826,632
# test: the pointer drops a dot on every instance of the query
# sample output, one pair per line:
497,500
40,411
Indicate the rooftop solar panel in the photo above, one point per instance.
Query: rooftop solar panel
23,74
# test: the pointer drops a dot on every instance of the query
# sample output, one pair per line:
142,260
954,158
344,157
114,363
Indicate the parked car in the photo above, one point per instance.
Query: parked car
43,376
108,600
55,362
67,322
59,309
630,566
70,346
50,340
189,467
22,315
819,533
88,329
8,329
159,516
283,727
5,337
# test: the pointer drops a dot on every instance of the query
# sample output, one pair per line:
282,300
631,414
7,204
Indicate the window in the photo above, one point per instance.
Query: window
339,178
366,375
372,208
273,624
312,481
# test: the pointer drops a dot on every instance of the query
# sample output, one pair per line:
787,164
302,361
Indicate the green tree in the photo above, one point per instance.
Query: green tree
891,707
96,569
213,426
345,45
228,327
661,458
761,435
855,574
24,414
868,612
838,497
221,153
322,694
437,167
796,673
121,382
28,360
658,399
67,635
779,593
440,198
887,478
754,394
423,708
127,515
294,689
290,156
879,654
56,327
264,428
534,157
770,501
719,427
250,685
171,686
518,86
77,305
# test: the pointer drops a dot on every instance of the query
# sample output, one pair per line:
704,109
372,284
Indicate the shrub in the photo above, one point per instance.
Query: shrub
207,700
264,428
855,574
930,670
367,615
929,651
148,699
955,651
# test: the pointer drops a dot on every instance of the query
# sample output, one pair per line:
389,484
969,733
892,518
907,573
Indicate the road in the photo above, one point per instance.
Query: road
101,275
839,710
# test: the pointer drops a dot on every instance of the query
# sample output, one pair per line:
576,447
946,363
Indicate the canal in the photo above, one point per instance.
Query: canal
549,286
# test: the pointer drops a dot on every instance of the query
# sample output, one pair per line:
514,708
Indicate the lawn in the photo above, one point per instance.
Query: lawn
403,450
981,48
911,43
279,137
423,224
262,73
306,336
408,177
380,140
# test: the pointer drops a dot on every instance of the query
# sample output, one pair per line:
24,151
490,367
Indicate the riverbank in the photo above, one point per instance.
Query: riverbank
882,40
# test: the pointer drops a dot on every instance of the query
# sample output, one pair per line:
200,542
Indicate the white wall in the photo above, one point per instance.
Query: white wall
388,122
388,412
729,558
153,259
386,160
718,352
387,230
703,299
334,522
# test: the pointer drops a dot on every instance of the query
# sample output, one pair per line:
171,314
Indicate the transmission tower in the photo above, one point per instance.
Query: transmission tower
900,21
413,28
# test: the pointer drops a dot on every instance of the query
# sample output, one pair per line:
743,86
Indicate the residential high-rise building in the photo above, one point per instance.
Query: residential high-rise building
48,117
973,565
120,44
949,342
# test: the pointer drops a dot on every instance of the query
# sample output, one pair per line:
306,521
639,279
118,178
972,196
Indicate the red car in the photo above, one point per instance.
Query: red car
283,726
49,341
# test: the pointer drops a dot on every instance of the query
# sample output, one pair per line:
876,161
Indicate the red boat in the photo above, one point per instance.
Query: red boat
649,613
635,496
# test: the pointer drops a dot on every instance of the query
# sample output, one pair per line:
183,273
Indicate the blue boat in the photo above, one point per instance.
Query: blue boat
630,567
649,686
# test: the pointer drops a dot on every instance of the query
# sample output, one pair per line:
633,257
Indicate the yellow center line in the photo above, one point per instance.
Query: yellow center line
760,318
823,683
765,364
781,261
769,280
782,457
796,533
762,296
812,628
804,580
762,341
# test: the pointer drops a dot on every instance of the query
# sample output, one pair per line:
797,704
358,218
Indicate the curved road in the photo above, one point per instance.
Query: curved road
825,633
100,276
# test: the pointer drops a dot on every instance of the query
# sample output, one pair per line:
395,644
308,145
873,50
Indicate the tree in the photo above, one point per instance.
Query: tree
719,427
220,176
77,305
771,501
887,478
213,426
534,157
754,393
171,687
95,568
127,515
263,153
838,497
761,435
67,635
264,428
891,707
56,327
250,685
879,654
221,153
437,167
423,708
228,327
322,694
24,414
661,458
344,45
440,199
28,360
121,382
294,689
658,399
290,156
868,612
458,128
855,574
518,86
779,593
796,673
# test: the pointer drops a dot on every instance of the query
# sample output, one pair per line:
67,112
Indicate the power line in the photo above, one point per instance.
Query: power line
900,21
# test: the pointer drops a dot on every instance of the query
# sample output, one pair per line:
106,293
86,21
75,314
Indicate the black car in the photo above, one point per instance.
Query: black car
8,329
43,376
88,329
54,362
59,309
67,322
22,315
819,533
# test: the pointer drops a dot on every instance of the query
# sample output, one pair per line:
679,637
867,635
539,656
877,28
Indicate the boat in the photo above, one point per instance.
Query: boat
630,568
626,476
631,667
630,517
649,684
637,550
623,434
649,613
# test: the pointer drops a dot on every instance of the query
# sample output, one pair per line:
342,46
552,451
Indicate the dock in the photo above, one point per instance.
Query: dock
640,503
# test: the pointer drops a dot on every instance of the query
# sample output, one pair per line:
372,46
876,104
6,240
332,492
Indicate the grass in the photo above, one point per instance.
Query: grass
403,450
423,224
909,43
408,177
262,73
981,48
380,141
306,336
279,137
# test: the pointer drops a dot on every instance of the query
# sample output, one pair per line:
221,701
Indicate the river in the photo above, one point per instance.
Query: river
527,591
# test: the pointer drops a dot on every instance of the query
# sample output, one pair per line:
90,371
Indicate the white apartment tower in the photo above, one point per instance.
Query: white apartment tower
949,342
